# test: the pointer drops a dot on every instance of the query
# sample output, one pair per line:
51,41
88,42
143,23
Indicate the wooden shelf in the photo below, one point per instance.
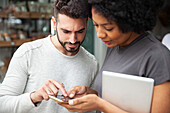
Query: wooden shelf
14,43
26,15
3,14
21,14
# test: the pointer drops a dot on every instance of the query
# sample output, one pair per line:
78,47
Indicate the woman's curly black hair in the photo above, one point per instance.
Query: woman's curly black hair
130,15
72,8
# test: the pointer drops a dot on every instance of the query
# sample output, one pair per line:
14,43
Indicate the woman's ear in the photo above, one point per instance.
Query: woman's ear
54,22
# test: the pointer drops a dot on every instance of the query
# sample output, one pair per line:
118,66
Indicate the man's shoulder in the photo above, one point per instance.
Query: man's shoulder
29,46
88,54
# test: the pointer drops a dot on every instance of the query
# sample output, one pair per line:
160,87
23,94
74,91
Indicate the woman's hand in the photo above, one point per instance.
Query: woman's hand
83,104
89,101
85,99
50,87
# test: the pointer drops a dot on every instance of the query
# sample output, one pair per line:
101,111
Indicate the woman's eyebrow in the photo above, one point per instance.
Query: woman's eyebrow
109,23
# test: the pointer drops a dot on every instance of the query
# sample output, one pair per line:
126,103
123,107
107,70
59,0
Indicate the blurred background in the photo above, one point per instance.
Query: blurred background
27,20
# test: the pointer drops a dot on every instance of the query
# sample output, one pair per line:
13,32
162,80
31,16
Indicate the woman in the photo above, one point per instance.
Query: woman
122,25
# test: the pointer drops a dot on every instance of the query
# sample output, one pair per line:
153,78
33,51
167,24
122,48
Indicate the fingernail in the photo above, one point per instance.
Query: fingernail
71,95
65,95
50,94
71,102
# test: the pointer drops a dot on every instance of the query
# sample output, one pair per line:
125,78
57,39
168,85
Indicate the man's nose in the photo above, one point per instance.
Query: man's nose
73,38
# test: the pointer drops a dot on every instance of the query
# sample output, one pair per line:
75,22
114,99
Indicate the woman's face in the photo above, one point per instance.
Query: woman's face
109,32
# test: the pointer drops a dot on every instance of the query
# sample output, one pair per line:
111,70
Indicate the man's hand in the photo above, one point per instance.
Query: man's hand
50,87
79,91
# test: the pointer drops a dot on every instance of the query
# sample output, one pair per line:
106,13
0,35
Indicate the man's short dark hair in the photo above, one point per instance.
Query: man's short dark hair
72,8
130,15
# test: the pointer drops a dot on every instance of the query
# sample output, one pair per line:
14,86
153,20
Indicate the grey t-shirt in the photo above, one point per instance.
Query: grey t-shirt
145,57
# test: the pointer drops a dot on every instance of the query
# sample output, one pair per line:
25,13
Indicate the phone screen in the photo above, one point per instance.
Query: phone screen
59,99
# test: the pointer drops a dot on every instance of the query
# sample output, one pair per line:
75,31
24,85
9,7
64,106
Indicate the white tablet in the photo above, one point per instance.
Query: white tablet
128,92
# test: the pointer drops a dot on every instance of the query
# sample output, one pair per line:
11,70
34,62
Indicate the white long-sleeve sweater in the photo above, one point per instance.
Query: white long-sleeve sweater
34,63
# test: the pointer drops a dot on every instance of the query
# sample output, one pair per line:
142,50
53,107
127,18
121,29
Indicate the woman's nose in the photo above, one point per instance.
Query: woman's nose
100,33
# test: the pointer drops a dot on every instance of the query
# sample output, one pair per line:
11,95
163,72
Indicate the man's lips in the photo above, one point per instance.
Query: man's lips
72,46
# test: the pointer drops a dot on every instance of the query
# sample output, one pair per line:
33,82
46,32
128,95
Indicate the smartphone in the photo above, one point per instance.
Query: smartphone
63,100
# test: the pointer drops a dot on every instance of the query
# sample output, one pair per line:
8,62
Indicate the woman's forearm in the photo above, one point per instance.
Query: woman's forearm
106,107
103,105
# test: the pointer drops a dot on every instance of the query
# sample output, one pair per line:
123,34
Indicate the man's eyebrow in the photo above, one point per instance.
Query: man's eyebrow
81,29
69,30
64,29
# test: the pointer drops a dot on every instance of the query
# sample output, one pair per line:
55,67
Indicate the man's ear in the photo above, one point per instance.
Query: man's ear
54,22
88,18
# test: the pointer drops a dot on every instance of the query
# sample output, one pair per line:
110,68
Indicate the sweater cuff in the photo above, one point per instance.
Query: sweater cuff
27,101
34,104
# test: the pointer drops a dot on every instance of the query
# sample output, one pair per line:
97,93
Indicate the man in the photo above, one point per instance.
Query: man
50,66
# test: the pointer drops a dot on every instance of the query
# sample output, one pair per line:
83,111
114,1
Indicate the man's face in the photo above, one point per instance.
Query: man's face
71,32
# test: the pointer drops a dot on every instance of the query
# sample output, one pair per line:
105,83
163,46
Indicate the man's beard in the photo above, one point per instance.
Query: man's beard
72,50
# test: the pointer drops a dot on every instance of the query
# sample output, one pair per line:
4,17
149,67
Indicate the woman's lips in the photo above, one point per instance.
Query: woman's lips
107,42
